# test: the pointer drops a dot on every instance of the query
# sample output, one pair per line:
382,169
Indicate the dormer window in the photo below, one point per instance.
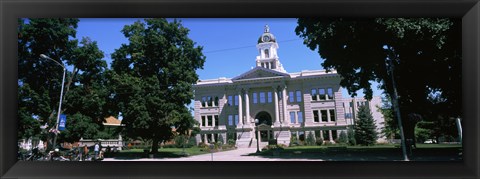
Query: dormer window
267,55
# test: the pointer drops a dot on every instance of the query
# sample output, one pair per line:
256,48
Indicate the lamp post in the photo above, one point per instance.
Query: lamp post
61,96
257,134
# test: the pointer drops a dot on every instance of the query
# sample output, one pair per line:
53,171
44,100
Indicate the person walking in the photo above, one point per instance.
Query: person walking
96,150
85,152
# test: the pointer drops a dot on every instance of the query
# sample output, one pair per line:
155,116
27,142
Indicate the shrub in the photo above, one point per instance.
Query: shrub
220,139
342,138
231,142
351,137
310,139
319,141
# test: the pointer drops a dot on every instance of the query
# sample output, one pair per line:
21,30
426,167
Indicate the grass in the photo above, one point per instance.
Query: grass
386,152
162,153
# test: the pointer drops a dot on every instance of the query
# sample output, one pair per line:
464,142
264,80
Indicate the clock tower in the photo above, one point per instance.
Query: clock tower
267,47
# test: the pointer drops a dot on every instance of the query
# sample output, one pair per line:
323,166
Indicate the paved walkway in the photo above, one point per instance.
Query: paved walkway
232,155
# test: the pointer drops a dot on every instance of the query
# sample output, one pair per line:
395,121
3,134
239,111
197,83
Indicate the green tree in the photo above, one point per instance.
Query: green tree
390,129
342,138
365,128
39,80
426,54
153,77
310,140
351,136
86,89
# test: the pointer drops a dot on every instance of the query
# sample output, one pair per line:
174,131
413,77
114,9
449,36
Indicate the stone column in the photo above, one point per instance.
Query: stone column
275,94
330,137
240,110
205,138
284,100
247,108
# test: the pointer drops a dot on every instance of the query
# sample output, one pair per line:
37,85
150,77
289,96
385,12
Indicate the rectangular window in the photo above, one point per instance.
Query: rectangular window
216,120
321,94
210,101
262,97
291,98
230,120
301,135
316,118
255,99
216,101
236,100
230,100
334,134
324,115
269,95
330,93
314,94
317,133
299,96
236,119
300,116
203,121
332,114
326,136
209,120
292,117
204,101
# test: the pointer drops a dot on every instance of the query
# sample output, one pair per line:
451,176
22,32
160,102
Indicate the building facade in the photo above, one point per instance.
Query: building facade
267,101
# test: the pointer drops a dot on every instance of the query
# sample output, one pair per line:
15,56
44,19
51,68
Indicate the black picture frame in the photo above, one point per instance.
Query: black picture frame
468,10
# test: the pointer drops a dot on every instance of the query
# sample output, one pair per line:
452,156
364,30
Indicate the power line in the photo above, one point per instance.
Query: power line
236,48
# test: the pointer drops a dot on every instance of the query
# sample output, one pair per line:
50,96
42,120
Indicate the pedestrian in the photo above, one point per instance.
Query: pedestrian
85,152
96,150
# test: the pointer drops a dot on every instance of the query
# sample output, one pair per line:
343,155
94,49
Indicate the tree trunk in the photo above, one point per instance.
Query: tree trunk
155,145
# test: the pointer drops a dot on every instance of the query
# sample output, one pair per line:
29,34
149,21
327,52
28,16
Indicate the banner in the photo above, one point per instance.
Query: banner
63,122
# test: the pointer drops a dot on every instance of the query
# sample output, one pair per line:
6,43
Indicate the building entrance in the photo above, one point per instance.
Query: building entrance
263,125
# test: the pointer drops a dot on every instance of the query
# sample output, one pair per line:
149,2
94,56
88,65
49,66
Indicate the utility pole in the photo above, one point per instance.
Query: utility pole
397,109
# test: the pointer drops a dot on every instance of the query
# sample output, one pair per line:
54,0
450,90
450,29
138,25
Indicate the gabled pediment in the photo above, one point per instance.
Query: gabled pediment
260,72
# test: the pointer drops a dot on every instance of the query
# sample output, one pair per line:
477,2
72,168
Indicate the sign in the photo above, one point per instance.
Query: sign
63,122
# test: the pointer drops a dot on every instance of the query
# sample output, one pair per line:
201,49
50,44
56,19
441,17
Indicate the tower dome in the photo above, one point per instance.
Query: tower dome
266,36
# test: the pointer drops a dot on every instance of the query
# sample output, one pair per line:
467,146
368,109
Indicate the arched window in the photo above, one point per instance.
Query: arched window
267,55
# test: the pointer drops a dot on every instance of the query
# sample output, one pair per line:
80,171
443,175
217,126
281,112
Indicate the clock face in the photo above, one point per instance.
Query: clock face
266,38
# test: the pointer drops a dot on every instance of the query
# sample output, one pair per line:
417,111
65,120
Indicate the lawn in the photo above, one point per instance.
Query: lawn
162,153
423,152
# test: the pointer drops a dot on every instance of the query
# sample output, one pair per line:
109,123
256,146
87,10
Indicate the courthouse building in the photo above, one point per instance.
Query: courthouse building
277,105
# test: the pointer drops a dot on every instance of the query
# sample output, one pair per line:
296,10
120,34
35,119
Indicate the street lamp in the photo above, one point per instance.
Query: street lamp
61,96
258,135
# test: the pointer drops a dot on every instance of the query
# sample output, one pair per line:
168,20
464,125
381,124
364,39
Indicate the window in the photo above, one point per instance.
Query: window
300,116
230,100
321,93
324,115
215,137
299,96
262,97
314,94
272,65
236,100
290,97
316,118
216,120
269,95
301,135
317,133
204,101
216,100
230,120
236,119
210,101
330,93
292,117
255,99
203,121
334,134
326,135
267,55
209,120
332,114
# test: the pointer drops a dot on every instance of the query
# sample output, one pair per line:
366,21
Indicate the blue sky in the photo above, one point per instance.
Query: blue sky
228,44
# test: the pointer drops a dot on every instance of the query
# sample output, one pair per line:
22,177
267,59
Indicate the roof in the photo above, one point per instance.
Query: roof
112,121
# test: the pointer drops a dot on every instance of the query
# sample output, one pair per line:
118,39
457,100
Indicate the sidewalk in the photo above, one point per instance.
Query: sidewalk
232,155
